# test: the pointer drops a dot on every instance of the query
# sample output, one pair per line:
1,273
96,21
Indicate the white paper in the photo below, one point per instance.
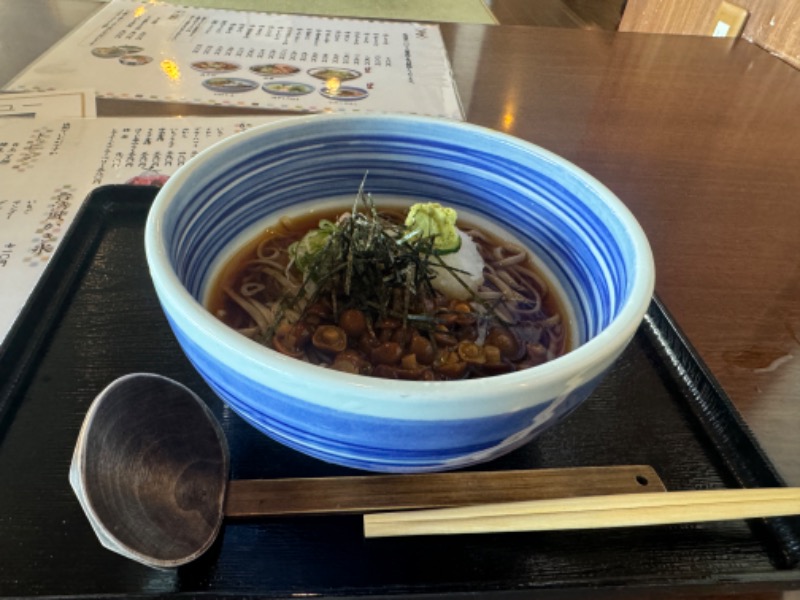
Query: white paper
48,105
163,52
48,168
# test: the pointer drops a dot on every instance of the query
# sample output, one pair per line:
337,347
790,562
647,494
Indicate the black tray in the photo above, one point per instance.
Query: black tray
95,317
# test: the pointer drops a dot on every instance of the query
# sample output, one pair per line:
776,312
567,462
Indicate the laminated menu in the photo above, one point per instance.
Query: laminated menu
158,51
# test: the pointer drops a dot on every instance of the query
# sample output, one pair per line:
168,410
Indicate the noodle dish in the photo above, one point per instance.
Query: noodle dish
396,293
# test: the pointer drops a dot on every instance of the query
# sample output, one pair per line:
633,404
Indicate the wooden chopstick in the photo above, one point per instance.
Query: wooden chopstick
619,510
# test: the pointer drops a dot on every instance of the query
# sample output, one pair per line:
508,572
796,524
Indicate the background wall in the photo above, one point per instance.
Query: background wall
773,24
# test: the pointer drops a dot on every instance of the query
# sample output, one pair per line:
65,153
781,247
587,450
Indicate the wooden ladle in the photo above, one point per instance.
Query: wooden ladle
151,463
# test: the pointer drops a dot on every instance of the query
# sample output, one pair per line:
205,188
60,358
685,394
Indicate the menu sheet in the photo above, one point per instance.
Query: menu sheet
63,103
48,168
151,50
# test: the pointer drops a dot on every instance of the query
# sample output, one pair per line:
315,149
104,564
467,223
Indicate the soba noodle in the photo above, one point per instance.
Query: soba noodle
511,321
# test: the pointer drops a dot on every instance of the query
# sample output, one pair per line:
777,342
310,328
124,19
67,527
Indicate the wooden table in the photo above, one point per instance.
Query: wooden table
700,138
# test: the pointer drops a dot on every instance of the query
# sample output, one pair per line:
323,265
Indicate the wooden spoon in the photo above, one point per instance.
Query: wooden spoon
151,463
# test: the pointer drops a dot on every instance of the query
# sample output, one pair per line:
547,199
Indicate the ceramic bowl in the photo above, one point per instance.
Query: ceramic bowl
579,231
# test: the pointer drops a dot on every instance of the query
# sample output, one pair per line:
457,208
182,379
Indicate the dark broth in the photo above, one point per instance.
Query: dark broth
359,355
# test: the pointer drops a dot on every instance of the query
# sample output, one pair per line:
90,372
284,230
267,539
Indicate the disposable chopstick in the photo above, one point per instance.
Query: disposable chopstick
620,510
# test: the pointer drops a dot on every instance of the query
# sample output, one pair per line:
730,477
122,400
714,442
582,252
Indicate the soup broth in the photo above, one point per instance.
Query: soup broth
512,320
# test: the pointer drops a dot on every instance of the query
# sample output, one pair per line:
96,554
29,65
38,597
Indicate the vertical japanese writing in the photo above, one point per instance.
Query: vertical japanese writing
100,172
60,137
407,55
48,233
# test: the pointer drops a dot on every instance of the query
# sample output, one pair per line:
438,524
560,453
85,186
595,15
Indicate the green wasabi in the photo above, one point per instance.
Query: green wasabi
432,220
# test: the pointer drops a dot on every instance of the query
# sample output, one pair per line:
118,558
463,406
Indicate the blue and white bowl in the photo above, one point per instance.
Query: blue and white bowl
582,234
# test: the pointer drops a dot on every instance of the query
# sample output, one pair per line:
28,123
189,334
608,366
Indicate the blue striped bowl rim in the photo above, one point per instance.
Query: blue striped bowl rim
581,231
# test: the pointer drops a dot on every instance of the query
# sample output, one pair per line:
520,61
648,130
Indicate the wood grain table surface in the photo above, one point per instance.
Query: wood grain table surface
700,137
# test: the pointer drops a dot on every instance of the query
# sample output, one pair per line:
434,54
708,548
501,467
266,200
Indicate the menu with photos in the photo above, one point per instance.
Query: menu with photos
48,168
152,50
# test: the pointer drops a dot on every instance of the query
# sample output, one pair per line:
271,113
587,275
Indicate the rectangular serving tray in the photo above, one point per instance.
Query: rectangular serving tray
95,317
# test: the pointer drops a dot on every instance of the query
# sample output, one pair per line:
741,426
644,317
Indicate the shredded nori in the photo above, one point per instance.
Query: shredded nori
369,264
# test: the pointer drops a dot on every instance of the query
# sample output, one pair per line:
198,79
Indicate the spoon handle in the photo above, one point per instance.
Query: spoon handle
623,510
360,494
